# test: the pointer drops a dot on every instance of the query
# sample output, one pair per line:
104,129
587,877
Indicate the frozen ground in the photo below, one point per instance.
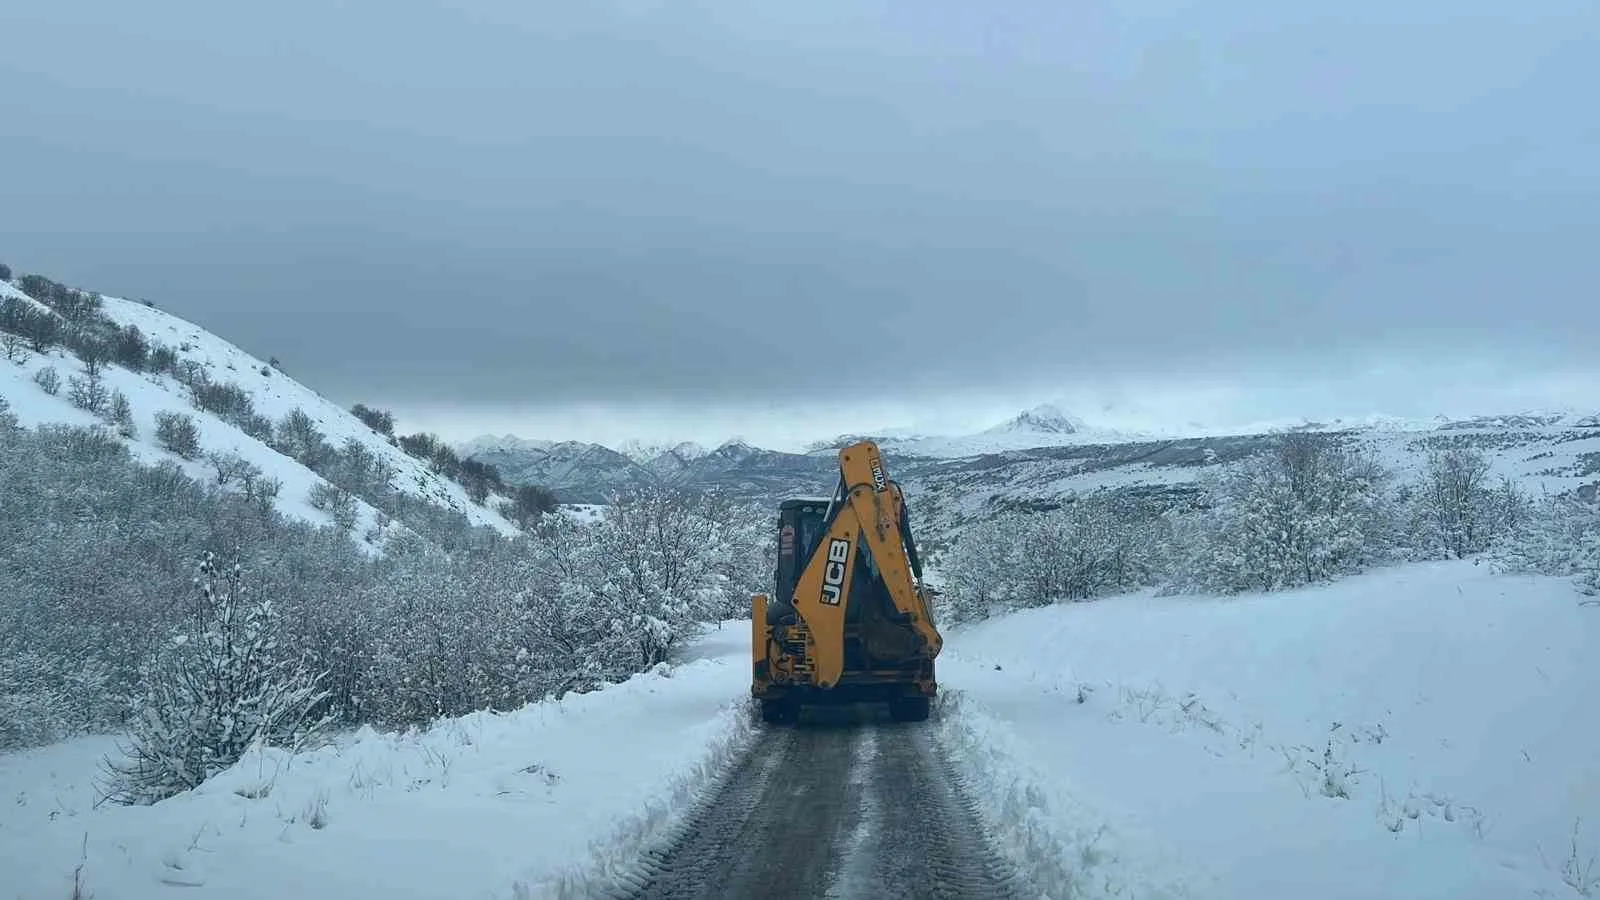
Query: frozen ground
1422,732
471,809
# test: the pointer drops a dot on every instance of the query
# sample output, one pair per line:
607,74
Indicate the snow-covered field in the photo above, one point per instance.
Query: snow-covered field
473,808
1426,731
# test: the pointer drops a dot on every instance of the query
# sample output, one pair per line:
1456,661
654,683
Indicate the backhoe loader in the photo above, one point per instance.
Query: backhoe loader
850,620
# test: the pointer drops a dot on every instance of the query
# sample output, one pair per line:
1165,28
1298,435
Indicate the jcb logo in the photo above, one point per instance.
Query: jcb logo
833,572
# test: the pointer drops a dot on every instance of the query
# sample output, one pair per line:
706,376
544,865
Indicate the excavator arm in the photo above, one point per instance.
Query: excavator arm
867,509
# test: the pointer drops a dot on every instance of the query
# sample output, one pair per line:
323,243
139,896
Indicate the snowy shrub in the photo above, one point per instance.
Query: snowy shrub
88,392
336,502
444,461
363,471
120,414
40,328
1454,512
177,433
232,467
163,359
479,478
529,504
1311,509
96,545
1090,547
421,445
48,379
638,582
260,489
979,569
298,437
218,398
222,684
90,348
130,348
14,348
378,420
1561,537
43,701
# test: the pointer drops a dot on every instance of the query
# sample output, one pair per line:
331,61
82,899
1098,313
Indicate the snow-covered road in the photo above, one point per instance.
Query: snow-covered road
844,805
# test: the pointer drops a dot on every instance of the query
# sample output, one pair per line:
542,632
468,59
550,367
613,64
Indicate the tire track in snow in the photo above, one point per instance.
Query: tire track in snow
837,811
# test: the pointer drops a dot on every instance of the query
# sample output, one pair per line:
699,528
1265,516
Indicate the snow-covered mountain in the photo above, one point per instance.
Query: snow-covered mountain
1044,419
672,462
255,394
503,444
1045,425
580,472
1033,460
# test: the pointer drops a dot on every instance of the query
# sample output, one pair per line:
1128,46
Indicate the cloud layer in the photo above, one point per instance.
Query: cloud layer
648,205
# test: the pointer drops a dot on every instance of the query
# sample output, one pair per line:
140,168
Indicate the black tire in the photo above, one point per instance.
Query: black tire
909,709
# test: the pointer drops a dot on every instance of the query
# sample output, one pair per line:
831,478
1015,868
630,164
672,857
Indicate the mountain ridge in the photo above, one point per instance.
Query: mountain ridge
1548,450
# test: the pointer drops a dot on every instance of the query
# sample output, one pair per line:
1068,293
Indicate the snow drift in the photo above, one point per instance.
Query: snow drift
1411,732
482,806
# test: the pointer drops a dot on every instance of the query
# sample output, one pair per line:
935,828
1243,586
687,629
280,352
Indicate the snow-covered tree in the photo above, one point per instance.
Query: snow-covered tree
529,504
337,502
980,569
1560,537
1089,547
1454,510
296,435
47,378
1312,508
120,414
221,684
177,432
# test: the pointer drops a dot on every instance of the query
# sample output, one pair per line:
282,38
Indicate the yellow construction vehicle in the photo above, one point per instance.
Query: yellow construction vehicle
850,620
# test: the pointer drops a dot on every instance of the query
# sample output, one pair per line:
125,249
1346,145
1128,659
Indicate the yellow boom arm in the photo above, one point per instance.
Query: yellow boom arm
867,507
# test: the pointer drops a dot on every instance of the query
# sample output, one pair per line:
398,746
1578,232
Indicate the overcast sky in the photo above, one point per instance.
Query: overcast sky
628,217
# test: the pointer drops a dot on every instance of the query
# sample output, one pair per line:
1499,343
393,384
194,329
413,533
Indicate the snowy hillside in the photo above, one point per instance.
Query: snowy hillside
1550,456
270,394
1049,426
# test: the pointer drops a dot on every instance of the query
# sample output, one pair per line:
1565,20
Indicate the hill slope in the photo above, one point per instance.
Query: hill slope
247,396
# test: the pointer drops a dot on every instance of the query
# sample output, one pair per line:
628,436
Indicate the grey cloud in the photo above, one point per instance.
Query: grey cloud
636,201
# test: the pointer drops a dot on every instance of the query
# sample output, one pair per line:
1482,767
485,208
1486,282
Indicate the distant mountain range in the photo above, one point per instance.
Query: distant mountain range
1038,457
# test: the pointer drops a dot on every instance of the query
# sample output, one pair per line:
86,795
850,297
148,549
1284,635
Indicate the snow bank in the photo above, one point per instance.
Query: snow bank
484,806
1416,732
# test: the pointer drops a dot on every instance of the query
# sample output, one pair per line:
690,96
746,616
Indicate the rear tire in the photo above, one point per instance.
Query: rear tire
909,709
